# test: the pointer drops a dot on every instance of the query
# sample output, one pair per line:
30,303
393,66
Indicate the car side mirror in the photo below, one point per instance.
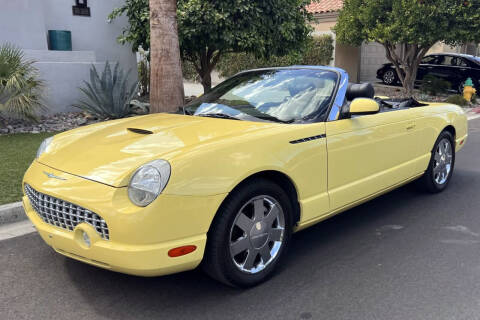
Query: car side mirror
363,106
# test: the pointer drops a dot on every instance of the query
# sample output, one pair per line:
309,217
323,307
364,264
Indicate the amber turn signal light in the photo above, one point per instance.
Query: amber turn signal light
181,251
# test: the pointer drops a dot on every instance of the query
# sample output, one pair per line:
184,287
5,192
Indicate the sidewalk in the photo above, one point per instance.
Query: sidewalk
473,113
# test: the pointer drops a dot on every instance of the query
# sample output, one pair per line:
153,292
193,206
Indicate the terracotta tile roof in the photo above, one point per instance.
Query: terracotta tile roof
321,6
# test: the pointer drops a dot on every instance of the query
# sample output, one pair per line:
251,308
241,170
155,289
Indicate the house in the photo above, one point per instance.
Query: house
25,23
360,62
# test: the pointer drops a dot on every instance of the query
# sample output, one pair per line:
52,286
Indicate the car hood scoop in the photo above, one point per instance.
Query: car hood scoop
139,131
109,152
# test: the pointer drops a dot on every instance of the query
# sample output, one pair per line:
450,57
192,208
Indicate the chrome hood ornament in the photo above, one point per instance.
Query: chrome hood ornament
51,175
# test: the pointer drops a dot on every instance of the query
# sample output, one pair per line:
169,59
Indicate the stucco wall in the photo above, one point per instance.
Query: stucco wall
25,23
345,57
348,58
91,33
22,23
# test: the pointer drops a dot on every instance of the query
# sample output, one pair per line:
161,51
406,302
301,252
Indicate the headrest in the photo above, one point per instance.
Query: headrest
361,90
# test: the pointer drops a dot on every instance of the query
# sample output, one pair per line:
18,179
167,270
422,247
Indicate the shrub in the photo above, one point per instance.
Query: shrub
458,100
433,86
107,96
20,87
319,51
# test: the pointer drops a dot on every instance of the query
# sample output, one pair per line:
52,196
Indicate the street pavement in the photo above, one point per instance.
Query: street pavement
406,255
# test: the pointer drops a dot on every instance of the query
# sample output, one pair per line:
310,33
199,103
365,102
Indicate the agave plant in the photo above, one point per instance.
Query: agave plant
20,87
108,95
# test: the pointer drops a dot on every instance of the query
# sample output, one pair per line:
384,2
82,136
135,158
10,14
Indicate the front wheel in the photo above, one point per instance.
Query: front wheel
442,162
250,234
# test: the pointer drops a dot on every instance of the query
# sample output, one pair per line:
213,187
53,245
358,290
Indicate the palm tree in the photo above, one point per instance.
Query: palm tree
166,80
20,87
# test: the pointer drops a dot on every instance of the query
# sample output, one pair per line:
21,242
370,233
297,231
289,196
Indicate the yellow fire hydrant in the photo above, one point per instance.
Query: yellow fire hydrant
469,90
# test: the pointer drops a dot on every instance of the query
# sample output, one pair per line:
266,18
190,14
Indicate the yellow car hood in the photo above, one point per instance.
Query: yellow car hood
109,153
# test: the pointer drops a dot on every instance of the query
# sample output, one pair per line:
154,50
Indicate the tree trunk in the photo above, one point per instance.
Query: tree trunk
204,62
206,81
406,64
166,79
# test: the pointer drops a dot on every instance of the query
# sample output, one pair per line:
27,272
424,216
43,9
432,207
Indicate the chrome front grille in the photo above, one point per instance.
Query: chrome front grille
64,214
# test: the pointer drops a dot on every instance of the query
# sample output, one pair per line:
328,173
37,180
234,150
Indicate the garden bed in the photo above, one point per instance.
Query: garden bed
53,123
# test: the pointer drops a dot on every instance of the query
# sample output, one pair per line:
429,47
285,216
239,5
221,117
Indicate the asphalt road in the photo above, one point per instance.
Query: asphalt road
405,255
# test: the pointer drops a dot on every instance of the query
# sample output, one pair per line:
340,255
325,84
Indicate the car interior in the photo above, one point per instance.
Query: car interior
366,90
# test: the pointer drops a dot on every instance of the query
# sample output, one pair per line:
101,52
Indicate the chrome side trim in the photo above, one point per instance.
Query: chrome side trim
321,136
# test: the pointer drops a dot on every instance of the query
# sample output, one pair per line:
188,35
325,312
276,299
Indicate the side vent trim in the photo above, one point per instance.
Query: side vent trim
321,136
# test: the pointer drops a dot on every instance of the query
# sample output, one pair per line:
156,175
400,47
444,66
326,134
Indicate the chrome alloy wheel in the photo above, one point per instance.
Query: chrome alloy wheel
442,164
389,77
257,234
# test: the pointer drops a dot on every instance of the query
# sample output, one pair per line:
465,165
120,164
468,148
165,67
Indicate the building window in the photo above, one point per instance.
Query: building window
81,8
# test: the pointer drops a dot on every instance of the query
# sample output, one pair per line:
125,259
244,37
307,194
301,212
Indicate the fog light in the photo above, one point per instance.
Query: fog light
86,238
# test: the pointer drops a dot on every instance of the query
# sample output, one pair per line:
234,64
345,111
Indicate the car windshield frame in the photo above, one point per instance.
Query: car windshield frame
316,116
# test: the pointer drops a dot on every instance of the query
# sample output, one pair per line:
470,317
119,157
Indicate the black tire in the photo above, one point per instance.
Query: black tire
428,180
460,87
389,77
218,261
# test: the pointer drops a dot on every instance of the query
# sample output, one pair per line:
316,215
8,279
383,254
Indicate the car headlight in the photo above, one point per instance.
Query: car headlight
148,182
43,146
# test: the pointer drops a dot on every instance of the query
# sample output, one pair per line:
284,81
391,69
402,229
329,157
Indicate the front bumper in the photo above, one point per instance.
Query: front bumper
140,238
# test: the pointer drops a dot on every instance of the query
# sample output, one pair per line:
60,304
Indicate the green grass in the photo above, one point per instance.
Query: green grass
17,151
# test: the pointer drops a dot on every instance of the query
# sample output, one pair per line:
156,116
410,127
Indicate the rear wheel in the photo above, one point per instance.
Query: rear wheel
460,87
442,162
389,77
250,234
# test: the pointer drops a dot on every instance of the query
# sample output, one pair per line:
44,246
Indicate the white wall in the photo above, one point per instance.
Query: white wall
22,22
25,23
91,33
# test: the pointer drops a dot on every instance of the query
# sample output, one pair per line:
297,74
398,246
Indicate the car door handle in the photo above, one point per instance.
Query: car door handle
411,126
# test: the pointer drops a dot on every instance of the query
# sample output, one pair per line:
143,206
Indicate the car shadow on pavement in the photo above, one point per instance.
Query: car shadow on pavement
117,295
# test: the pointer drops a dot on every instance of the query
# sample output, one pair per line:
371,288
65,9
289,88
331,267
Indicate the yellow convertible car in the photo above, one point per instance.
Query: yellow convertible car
226,182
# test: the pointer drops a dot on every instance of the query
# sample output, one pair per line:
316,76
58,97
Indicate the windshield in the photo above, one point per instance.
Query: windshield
279,95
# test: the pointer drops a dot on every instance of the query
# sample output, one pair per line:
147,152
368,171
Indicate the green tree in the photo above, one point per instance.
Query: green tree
138,31
208,29
319,51
408,28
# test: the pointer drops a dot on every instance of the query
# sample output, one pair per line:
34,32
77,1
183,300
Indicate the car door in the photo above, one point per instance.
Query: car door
368,154
449,70
426,67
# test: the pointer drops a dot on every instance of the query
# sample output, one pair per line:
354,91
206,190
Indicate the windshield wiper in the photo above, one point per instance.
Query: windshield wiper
265,116
218,115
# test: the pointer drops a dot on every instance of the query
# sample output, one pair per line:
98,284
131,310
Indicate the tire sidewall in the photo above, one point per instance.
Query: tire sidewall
394,77
431,183
230,209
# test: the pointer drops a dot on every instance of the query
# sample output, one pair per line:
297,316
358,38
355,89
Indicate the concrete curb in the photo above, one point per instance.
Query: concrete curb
12,212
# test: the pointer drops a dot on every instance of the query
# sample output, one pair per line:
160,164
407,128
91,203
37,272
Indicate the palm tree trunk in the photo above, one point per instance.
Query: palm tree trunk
166,80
